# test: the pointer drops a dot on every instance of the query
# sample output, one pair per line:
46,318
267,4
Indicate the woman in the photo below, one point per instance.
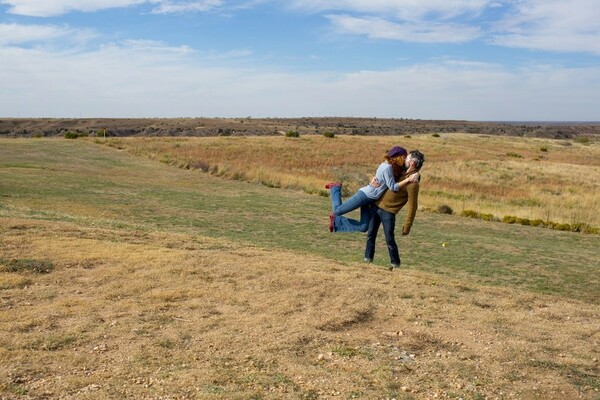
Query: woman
392,165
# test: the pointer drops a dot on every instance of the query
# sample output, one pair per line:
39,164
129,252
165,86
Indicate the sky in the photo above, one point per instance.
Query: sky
480,60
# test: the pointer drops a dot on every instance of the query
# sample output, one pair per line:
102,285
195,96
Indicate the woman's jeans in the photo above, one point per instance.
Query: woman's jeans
378,217
359,199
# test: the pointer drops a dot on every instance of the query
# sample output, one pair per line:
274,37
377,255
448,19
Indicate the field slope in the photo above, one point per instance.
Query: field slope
122,277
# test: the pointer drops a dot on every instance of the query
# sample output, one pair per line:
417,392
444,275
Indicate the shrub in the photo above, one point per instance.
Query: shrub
329,134
71,135
562,227
470,213
436,135
292,133
487,217
199,164
509,219
582,139
543,148
537,222
445,209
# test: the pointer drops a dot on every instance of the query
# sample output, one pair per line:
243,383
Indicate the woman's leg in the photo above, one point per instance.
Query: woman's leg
359,199
374,223
389,224
344,224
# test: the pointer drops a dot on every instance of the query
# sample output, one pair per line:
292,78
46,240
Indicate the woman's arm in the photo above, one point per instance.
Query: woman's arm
416,177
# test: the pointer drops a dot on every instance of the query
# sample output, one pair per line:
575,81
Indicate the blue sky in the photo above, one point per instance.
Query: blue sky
429,59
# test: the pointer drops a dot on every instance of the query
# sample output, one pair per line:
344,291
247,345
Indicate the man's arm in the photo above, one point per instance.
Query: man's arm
411,211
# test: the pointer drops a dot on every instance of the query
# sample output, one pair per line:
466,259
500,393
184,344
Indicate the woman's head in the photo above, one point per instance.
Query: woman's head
396,157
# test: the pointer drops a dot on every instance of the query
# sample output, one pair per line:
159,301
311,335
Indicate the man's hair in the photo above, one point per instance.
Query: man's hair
418,158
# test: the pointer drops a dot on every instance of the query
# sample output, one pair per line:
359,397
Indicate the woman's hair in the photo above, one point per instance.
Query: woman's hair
397,164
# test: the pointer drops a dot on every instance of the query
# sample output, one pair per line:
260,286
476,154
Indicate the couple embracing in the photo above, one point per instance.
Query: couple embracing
395,184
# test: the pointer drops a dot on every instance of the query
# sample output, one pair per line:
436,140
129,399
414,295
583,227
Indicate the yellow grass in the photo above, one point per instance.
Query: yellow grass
497,175
127,314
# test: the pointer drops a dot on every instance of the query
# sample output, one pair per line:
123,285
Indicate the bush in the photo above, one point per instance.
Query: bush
436,135
292,133
562,227
509,219
470,213
543,148
329,134
537,222
445,209
487,217
72,135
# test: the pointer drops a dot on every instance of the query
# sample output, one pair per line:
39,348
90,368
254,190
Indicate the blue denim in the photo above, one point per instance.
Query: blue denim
359,199
378,217
343,224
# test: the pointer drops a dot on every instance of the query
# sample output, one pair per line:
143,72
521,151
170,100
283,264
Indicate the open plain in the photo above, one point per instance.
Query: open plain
125,277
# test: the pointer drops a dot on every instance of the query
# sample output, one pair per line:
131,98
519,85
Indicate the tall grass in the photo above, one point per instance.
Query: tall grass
496,175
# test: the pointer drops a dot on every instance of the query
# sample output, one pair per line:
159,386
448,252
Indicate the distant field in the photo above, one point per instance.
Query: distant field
124,277
529,178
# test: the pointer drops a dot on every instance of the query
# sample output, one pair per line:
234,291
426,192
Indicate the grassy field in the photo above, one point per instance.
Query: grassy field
123,277
535,179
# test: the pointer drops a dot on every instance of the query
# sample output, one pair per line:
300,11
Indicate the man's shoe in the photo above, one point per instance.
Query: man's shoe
333,184
393,267
368,260
332,222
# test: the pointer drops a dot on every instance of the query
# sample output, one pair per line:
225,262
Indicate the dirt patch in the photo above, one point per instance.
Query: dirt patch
183,317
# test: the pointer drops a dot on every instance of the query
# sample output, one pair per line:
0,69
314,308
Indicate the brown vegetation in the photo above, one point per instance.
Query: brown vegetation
17,127
140,315
464,172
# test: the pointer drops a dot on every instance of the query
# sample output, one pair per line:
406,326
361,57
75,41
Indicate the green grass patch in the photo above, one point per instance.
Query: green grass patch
26,265
98,186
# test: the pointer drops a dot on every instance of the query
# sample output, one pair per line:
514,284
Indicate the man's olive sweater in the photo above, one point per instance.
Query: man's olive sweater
394,201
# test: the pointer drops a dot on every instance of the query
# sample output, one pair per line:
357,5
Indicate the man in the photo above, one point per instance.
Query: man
385,209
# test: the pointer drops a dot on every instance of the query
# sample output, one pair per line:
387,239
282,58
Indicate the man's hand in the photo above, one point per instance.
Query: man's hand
374,182
405,231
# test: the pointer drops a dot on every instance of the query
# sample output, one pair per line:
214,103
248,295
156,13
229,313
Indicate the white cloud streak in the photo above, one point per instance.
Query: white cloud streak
149,79
48,8
554,25
410,10
424,32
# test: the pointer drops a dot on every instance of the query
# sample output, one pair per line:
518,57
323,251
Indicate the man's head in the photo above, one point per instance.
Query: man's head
415,159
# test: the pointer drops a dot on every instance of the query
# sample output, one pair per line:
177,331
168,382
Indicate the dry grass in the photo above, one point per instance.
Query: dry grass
131,314
497,175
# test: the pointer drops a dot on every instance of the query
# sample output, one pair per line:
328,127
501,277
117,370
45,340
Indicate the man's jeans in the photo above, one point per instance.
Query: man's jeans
359,199
378,217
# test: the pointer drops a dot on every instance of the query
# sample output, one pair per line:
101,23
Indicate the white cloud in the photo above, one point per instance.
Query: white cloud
172,7
18,34
150,79
554,25
404,9
47,8
424,32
